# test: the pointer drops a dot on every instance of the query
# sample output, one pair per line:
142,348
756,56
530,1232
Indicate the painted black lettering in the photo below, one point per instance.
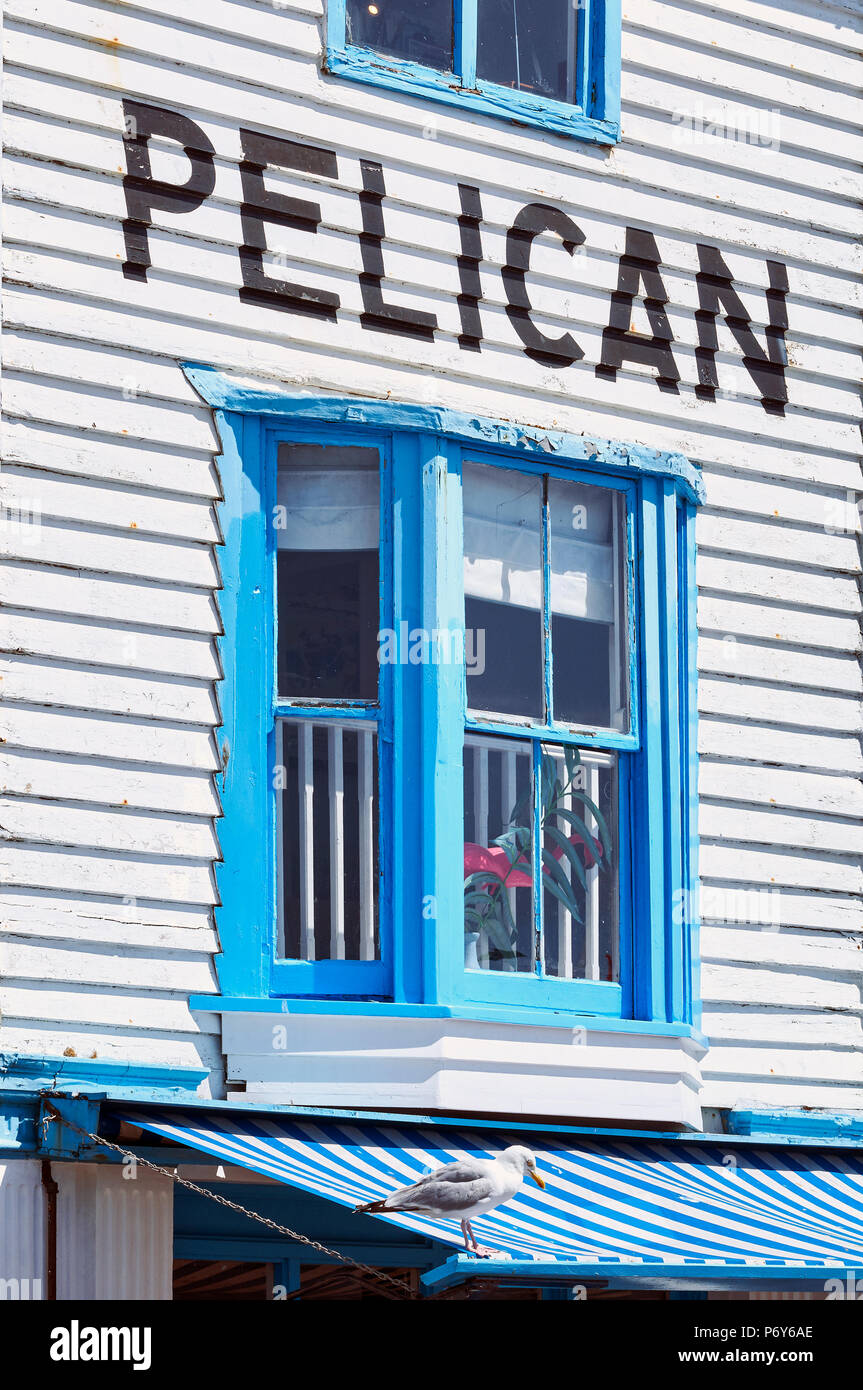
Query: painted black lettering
378,315
534,219
469,261
767,369
638,276
143,192
261,206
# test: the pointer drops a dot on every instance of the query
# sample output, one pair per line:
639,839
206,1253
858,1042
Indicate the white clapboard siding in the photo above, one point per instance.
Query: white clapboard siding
61,823
109,583
134,921
79,593
86,734
765,661
754,742
818,1028
115,460
793,626
97,643
137,876
776,705
774,906
771,828
162,1048
63,684
105,783
115,1009
768,787
787,584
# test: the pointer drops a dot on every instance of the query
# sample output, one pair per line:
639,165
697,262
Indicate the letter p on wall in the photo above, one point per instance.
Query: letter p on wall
143,192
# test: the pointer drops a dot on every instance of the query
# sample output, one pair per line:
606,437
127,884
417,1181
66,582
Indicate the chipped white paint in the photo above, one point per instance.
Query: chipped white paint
109,582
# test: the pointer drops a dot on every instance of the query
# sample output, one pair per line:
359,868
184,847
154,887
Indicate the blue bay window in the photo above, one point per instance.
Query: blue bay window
548,63
458,713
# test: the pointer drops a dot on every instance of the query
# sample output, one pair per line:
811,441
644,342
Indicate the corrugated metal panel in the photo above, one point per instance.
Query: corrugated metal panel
108,762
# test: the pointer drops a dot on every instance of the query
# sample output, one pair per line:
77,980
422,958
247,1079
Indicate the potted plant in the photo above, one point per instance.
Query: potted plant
490,871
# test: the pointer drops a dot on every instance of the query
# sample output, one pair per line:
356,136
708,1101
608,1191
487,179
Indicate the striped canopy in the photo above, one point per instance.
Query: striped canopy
637,1206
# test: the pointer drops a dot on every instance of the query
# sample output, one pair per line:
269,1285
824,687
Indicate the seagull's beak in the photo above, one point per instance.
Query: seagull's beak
535,1175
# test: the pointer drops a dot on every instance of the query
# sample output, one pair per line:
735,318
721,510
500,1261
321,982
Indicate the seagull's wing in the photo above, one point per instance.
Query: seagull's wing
449,1190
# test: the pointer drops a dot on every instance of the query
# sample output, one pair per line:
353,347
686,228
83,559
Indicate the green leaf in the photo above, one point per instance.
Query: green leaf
506,913
554,874
519,807
483,876
503,938
547,777
560,890
604,837
478,901
579,826
513,842
572,758
570,851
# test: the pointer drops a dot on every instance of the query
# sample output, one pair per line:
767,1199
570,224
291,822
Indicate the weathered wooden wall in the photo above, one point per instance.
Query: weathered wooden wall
110,603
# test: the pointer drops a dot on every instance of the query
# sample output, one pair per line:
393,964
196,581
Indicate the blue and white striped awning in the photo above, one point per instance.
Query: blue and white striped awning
641,1207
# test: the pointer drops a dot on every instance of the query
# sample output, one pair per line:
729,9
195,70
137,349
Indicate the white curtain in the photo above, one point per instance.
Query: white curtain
327,499
503,559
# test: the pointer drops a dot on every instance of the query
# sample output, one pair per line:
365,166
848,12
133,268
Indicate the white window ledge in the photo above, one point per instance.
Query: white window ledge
455,1065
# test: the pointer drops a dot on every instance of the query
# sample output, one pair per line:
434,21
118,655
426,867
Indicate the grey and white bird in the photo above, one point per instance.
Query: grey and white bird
463,1190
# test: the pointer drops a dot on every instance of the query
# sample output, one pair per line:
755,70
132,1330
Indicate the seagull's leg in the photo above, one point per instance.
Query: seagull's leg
483,1252
470,1244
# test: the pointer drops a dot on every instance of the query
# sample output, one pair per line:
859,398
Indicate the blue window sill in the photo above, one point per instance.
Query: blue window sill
488,99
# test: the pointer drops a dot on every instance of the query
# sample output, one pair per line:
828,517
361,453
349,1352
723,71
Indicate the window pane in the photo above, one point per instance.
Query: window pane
588,604
327,784
503,589
420,31
579,818
498,878
327,532
529,45
580,865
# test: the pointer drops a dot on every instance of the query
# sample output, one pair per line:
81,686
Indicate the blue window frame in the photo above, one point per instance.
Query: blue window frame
548,63
412,730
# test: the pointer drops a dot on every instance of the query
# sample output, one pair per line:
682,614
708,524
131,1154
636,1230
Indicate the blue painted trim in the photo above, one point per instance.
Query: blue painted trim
458,1268
410,898
521,993
688,662
23,1110
299,709
512,1126
554,733
100,1073
242,738
596,119
328,977
677,981
442,705
799,1124
566,1018
18,1119
465,41
225,392
649,974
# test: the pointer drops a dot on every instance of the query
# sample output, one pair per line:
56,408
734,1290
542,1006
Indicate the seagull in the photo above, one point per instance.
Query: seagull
464,1189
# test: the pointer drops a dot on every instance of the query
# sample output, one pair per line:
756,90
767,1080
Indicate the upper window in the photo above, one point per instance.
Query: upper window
549,63
457,723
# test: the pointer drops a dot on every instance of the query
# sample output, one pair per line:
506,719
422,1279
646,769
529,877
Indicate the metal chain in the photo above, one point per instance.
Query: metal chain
235,1206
